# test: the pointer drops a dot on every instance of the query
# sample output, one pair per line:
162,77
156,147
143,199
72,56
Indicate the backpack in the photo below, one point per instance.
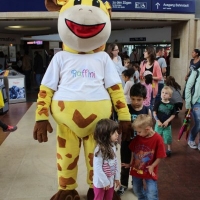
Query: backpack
193,87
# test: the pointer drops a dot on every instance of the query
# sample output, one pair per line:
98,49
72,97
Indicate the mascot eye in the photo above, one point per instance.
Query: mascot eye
96,3
77,2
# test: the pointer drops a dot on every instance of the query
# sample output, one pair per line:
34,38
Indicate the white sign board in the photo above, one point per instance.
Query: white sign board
16,88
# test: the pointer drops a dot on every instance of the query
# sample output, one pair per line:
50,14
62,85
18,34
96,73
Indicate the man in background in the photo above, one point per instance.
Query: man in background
38,68
163,66
134,57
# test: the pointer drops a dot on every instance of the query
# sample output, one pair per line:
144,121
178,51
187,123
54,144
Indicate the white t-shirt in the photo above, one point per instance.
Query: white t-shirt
127,89
120,68
81,77
105,171
162,64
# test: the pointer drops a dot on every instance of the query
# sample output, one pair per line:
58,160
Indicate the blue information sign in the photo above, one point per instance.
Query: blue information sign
131,5
169,6
22,6
174,6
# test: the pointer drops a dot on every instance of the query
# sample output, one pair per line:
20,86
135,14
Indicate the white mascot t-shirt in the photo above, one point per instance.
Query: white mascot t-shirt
81,77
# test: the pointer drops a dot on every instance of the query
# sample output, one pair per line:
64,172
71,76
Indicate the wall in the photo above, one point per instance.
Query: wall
197,22
7,39
180,66
158,35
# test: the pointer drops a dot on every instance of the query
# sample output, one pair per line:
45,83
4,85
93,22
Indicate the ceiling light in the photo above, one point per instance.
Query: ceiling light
27,28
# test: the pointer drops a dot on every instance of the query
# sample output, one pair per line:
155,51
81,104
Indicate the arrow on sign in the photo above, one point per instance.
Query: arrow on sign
157,5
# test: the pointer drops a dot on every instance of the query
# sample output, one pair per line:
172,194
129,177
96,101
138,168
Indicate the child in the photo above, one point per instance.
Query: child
7,128
106,170
136,75
127,63
147,151
137,94
176,98
148,78
126,76
163,112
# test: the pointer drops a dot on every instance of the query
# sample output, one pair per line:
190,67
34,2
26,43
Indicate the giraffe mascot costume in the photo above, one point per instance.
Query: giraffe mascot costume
79,88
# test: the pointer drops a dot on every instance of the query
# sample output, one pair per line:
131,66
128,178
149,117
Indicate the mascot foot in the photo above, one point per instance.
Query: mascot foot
66,195
90,195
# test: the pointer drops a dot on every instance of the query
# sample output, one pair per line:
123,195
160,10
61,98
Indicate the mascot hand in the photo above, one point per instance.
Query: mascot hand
40,131
126,130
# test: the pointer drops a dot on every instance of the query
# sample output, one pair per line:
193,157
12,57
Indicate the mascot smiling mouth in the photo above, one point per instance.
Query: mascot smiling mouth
84,31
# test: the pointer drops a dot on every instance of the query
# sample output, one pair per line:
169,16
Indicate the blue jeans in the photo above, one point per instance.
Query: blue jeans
196,117
151,191
38,78
158,96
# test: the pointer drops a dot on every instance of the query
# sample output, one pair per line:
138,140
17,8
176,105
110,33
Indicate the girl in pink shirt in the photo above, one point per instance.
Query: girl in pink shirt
148,78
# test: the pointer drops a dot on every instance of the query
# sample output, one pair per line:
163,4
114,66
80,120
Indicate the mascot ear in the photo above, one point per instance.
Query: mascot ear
51,5
108,7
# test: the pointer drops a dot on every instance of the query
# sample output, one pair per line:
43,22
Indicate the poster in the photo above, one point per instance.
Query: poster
16,88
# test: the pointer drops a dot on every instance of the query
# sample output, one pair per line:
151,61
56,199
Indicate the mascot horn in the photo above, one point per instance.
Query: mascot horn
79,88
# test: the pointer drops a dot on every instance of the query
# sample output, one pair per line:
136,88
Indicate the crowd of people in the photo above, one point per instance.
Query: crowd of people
154,98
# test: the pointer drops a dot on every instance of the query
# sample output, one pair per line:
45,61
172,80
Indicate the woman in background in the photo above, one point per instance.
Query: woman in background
152,65
113,52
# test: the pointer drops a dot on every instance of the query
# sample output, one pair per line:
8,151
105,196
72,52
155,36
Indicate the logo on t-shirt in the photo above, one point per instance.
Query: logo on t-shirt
166,108
85,73
142,157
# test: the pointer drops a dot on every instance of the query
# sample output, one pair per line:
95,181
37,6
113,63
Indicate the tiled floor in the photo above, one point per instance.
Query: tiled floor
28,169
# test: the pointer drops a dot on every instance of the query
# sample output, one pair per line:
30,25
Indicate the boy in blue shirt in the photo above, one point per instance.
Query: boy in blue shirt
137,94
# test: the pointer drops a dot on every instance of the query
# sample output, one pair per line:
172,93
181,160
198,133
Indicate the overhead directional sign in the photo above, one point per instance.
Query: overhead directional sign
22,6
173,6
165,6
131,5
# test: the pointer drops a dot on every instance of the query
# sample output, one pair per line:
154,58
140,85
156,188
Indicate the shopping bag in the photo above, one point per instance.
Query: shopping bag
1,100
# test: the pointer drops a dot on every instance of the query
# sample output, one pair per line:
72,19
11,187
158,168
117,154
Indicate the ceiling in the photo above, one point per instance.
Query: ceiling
117,24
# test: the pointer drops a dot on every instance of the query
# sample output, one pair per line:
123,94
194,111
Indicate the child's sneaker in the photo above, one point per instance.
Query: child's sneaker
168,153
121,190
192,144
10,129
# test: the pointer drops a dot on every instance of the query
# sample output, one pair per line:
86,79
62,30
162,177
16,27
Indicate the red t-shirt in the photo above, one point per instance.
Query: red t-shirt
145,152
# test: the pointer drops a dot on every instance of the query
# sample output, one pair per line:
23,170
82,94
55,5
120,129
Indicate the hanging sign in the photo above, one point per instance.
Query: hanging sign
173,6
131,5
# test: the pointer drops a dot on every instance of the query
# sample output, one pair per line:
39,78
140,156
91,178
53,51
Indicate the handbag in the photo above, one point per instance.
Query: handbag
1,100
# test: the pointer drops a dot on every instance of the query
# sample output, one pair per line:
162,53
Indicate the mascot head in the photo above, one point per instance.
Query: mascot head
83,25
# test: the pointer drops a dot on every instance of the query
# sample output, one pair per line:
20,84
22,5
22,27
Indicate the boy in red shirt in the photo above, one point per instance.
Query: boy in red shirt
147,151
